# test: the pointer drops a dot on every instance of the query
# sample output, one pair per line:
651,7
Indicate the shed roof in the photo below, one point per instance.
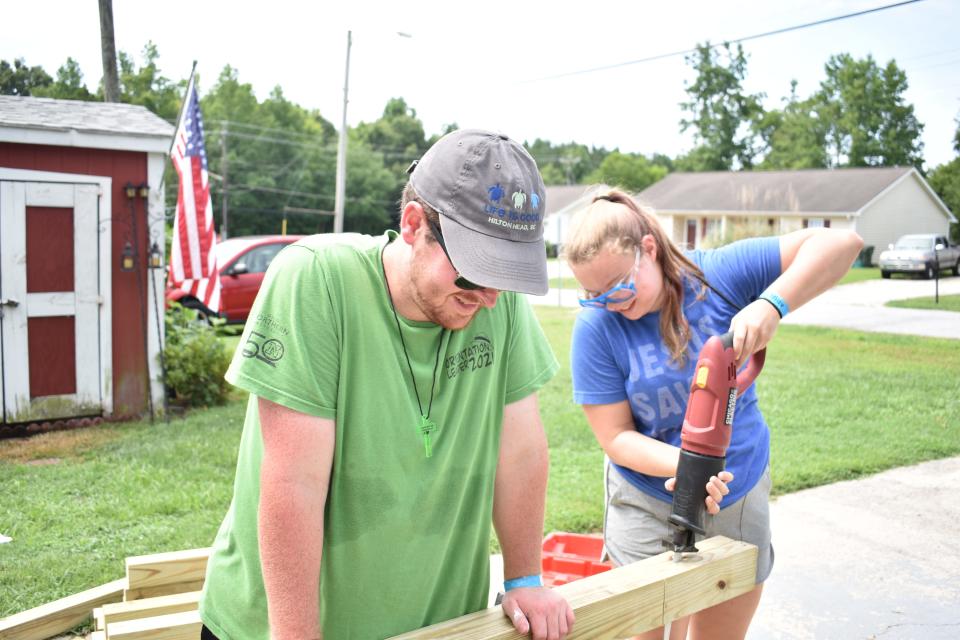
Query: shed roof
79,115
804,190
29,120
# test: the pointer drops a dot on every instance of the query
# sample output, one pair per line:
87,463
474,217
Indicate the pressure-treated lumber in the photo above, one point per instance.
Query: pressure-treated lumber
61,615
98,623
144,572
174,626
628,600
149,607
162,590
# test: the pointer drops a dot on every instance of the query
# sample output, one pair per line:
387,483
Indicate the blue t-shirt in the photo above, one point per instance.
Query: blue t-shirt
615,359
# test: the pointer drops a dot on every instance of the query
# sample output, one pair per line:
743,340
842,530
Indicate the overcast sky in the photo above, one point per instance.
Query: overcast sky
483,63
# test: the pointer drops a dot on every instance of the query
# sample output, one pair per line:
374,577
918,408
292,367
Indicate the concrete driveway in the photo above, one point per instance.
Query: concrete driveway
860,306
874,558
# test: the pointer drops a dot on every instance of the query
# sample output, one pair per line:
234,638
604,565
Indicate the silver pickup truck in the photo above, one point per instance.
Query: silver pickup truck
922,253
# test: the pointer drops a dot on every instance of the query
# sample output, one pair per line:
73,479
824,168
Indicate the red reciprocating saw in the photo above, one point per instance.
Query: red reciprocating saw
706,433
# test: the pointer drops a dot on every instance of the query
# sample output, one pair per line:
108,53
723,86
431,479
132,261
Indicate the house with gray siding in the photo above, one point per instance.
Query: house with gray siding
711,208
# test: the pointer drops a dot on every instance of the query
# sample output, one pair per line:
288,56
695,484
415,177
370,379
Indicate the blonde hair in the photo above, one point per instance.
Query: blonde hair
614,221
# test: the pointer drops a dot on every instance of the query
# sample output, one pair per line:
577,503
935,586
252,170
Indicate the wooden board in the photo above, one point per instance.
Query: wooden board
61,615
175,626
167,568
161,590
628,600
149,607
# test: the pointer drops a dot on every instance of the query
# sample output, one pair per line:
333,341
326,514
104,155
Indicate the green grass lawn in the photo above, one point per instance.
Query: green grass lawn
564,283
858,274
946,303
841,404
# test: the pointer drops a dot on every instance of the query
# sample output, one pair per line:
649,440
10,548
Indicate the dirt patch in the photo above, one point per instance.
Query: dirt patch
44,461
56,446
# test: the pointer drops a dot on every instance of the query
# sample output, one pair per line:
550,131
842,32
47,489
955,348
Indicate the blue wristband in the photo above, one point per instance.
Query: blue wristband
525,581
777,301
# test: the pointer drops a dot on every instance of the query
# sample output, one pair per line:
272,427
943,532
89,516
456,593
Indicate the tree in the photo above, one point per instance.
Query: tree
945,180
630,172
720,112
277,155
869,122
20,80
147,87
568,163
69,84
398,137
108,53
398,133
793,137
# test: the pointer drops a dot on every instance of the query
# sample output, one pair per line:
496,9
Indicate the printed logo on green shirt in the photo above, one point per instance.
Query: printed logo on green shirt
265,349
271,323
478,355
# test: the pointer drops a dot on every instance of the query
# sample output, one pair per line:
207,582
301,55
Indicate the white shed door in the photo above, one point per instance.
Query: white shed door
49,292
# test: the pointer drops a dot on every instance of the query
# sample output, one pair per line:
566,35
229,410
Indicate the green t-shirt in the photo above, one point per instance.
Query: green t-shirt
405,536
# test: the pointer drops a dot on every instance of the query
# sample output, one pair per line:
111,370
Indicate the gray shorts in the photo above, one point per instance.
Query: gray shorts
635,524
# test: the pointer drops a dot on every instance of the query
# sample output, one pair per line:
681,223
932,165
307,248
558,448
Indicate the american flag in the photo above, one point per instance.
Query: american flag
193,265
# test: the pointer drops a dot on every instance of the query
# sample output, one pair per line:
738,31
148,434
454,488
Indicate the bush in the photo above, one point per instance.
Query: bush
737,229
195,358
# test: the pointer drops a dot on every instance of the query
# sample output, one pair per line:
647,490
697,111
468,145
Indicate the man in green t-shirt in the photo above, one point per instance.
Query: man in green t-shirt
393,416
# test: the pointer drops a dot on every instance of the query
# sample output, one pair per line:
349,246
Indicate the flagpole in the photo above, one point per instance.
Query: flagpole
156,306
183,105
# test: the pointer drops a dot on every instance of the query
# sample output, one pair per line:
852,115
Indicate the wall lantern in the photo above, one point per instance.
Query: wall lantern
143,190
131,190
155,259
126,257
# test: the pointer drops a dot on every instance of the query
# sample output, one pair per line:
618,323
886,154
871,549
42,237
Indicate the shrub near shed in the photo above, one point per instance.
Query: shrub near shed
196,360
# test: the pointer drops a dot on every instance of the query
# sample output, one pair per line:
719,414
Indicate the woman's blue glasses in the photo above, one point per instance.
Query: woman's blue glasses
623,291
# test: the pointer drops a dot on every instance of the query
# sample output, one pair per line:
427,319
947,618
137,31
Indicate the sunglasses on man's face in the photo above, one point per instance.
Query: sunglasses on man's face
460,282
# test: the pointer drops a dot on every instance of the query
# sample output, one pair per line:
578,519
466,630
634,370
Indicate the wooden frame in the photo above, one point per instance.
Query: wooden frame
615,604
628,600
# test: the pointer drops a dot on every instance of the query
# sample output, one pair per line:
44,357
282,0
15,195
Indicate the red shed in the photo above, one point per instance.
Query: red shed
80,328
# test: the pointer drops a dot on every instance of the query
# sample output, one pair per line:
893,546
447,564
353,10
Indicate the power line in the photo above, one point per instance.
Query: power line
738,40
303,194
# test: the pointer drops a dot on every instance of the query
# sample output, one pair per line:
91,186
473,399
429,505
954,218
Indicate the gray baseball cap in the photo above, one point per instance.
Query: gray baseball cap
490,197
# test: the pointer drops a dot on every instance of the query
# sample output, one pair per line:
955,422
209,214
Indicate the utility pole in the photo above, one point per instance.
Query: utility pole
568,162
223,170
108,53
342,151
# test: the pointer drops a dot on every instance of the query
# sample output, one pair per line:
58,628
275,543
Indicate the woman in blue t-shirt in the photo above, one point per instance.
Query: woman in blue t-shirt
649,309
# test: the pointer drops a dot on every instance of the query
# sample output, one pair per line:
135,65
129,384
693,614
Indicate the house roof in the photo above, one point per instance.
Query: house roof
559,197
805,190
78,123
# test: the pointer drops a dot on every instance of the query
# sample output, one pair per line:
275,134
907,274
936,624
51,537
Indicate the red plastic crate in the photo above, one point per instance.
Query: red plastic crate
570,556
